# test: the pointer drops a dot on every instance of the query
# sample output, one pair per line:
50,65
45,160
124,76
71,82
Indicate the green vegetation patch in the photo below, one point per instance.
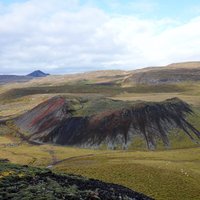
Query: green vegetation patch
91,106
172,174
109,90
23,182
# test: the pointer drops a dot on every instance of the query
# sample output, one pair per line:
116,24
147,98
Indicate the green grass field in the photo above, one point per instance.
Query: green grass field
163,175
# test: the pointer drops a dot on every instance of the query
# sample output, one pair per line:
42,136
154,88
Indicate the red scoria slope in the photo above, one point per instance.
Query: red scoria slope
44,117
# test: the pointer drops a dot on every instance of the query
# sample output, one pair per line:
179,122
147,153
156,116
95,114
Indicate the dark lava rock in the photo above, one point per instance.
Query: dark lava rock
38,183
4,160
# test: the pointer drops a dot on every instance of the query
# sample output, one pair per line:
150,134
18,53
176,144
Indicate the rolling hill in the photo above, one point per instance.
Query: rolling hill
173,73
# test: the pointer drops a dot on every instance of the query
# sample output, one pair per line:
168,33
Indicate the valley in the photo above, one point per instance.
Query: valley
165,172
161,174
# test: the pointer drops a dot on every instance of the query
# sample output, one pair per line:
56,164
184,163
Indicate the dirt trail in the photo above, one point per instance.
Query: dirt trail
53,155
69,158
75,157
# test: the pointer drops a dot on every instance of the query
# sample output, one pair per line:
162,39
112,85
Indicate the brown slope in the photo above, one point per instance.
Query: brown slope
186,65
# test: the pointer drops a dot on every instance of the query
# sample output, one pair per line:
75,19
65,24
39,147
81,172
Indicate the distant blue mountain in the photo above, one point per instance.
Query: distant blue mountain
37,73
4,79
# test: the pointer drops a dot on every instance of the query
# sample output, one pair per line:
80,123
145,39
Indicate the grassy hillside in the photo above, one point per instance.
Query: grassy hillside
163,174
23,182
172,174
107,90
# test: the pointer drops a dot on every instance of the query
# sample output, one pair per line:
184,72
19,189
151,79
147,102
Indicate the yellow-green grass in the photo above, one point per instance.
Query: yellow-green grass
172,174
167,174
15,107
191,99
42,155
5,140
21,105
190,93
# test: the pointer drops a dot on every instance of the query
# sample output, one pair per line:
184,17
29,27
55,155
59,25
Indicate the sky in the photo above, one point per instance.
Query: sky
69,36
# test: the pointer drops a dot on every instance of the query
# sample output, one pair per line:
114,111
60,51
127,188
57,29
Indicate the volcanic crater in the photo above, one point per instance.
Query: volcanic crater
53,122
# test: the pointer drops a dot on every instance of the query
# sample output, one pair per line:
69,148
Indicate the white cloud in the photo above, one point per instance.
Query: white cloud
62,36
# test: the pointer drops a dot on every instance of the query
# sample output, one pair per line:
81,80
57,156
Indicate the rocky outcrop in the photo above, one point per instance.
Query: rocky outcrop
52,122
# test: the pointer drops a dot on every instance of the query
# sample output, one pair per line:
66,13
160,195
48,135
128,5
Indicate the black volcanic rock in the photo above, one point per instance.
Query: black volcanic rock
37,73
38,183
53,122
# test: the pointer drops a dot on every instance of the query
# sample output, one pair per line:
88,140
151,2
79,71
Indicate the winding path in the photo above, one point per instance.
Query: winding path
66,159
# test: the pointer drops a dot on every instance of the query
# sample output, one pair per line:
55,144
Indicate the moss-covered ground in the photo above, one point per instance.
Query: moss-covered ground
30,183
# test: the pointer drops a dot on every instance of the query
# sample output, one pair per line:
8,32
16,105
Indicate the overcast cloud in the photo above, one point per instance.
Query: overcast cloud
62,36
